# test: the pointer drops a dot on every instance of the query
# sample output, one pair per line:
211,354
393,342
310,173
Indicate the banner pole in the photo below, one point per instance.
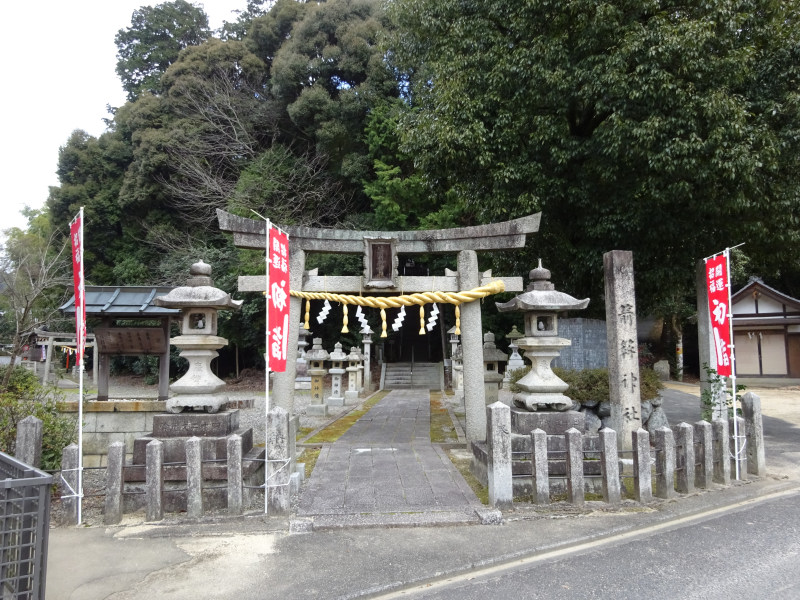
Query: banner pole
736,448
80,318
267,365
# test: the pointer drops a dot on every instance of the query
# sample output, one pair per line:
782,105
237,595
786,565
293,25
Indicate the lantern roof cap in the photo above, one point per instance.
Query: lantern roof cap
541,295
199,292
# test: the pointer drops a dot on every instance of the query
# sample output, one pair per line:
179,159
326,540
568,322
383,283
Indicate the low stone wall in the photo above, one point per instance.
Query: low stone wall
666,461
106,422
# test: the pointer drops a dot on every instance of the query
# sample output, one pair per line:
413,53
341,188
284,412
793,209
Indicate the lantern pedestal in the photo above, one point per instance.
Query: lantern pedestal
541,388
199,386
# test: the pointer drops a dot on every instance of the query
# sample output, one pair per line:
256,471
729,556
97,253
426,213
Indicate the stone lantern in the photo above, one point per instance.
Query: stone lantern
336,358
492,357
316,358
198,302
456,373
366,335
514,360
541,389
302,380
353,368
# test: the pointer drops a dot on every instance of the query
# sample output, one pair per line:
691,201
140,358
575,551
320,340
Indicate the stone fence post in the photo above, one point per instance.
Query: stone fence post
610,466
29,441
665,462
235,483
754,430
721,444
277,471
112,513
684,458
498,441
642,479
194,477
154,480
741,458
539,467
704,451
574,463
69,476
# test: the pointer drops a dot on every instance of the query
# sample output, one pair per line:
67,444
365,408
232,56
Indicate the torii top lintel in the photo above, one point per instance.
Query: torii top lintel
249,233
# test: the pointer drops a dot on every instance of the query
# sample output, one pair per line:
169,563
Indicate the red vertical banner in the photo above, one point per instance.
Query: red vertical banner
719,309
76,236
278,300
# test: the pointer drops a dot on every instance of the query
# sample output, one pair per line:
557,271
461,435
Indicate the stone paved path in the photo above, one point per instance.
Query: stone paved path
386,463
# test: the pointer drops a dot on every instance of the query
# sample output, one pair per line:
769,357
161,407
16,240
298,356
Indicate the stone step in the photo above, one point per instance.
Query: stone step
211,448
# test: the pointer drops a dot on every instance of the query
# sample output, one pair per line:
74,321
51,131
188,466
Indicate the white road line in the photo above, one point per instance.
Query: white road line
429,586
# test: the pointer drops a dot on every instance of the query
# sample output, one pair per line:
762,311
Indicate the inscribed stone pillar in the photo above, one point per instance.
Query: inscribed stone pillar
623,354
472,349
283,383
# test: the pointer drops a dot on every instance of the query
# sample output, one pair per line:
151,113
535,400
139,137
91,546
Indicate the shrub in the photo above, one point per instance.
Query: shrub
592,384
24,397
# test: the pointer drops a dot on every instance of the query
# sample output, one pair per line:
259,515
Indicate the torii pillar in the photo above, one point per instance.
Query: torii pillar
380,250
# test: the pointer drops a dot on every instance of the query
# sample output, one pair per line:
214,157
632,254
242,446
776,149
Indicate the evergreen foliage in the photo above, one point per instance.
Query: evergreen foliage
668,129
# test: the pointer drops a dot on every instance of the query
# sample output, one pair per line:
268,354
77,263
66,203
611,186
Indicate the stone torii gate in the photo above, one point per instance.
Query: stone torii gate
380,250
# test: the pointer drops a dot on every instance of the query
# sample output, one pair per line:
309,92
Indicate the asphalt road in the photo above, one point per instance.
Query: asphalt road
748,552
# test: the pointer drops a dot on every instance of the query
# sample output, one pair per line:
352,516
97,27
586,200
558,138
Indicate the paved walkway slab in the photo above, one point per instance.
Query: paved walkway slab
386,463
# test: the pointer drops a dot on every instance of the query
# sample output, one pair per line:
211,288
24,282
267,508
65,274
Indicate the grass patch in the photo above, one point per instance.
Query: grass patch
337,429
442,430
303,432
462,464
309,458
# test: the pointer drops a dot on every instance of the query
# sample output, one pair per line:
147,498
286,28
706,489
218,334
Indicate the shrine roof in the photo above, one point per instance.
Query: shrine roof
123,302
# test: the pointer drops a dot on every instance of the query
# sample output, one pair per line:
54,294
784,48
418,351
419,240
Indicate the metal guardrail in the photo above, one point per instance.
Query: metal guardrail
24,529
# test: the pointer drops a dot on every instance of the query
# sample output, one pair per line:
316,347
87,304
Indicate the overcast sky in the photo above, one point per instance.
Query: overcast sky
58,61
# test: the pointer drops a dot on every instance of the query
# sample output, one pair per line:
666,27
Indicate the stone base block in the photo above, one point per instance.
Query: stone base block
302,385
209,402
211,447
199,424
317,410
351,397
552,423
542,401
335,402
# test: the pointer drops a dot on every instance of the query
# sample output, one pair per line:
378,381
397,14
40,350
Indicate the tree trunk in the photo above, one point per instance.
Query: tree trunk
677,331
